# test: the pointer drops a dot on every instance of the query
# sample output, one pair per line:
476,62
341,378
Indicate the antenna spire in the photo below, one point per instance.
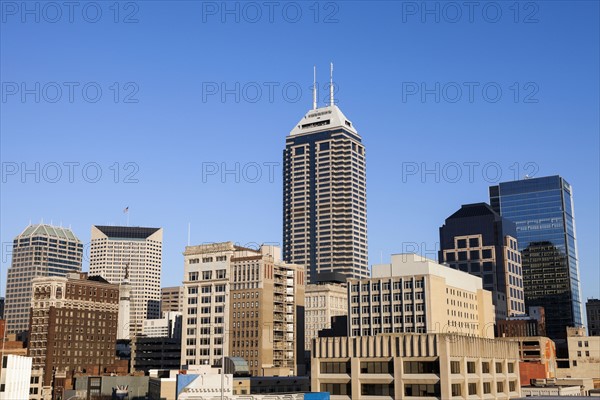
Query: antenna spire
314,87
331,103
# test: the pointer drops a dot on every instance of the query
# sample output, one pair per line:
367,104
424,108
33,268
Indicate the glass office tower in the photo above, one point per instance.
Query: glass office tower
542,209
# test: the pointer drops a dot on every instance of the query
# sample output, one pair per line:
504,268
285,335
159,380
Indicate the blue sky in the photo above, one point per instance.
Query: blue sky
476,96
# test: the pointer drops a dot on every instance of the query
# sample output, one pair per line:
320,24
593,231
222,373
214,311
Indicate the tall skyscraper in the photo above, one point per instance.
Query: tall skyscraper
244,303
542,209
325,197
477,240
40,250
113,248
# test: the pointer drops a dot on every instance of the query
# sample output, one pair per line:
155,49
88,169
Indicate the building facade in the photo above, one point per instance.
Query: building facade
115,249
404,366
584,355
414,294
15,377
155,353
324,196
40,250
477,240
167,326
592,307
73,326
322,302
543,211
246,303
171,299
533,324
537,355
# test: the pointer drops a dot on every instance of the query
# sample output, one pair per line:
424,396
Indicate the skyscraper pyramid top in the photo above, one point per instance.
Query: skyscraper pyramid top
323,119
48,230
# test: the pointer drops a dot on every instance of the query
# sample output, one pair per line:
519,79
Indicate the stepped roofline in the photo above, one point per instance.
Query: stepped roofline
323,119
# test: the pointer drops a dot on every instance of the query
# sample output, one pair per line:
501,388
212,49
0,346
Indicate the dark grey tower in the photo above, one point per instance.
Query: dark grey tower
324,197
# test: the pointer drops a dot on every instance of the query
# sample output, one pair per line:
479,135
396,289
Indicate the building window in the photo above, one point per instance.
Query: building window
511,368
422,390
471,367
472,388
485,367
487,387
512,386
372,389
456,389
498,367
500,387
193,276
337,389
335,367
376,367
455,367
421,367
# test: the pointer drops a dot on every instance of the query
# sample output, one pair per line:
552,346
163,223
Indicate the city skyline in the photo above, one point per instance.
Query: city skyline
404,137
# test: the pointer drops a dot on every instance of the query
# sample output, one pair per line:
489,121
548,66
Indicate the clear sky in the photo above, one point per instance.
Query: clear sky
163,100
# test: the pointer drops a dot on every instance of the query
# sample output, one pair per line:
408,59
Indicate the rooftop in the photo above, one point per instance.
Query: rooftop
48,230
323,119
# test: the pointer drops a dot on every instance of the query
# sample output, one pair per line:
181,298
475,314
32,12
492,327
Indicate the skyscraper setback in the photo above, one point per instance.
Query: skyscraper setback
542,209
115,249
324,196
40,250
477,240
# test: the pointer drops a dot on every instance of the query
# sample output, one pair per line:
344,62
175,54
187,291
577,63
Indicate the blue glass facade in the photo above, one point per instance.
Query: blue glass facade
542,209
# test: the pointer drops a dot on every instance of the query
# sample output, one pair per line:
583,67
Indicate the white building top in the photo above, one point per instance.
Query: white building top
408,264
323,119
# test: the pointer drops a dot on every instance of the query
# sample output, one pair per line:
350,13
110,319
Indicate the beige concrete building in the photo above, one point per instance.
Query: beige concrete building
171,299
416,294
117,248
244,303
584,355
402,366
323,301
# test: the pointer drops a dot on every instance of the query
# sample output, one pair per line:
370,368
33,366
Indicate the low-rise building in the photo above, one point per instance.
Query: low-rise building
401,366
571,387
584,355
15,376
533,324
167,326
414,294
322,302
537,356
